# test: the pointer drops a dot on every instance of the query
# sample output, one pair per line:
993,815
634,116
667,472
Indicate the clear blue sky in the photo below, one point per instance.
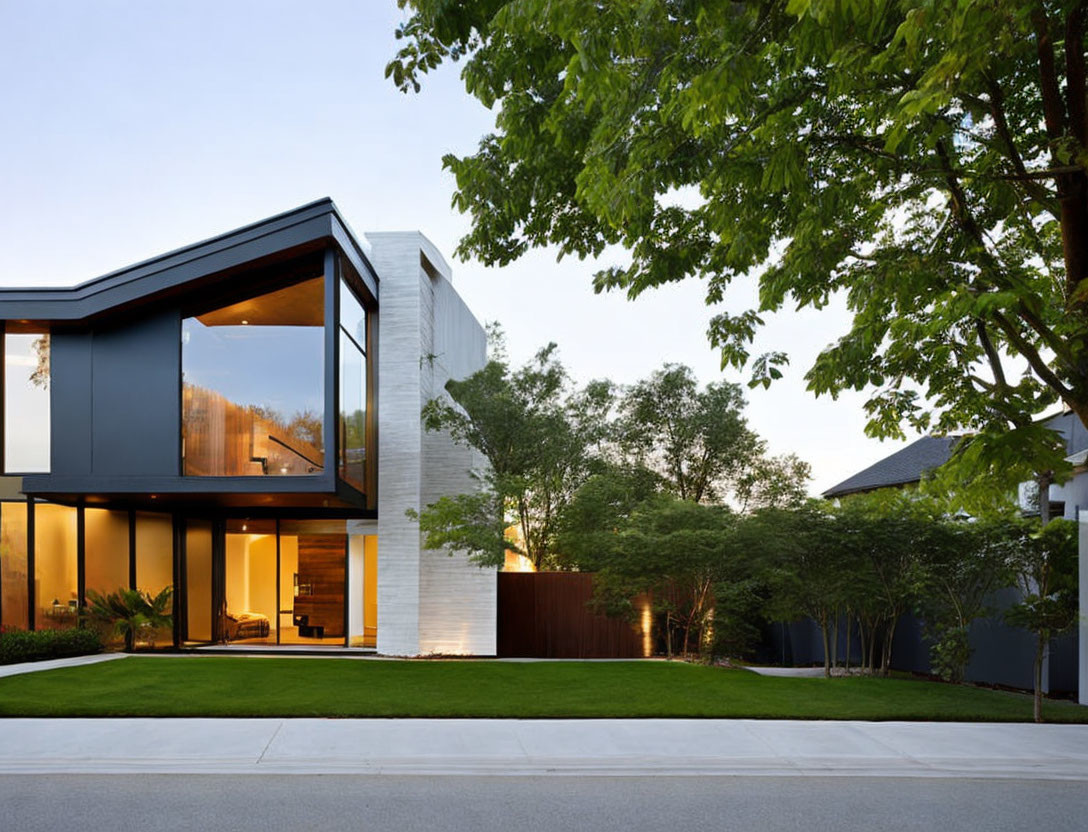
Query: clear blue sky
131,128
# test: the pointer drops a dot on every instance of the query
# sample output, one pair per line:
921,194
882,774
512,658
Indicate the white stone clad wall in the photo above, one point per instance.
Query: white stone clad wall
457,599
428,602
396,259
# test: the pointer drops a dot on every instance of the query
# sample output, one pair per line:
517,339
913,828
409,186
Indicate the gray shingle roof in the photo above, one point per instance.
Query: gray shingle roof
905,466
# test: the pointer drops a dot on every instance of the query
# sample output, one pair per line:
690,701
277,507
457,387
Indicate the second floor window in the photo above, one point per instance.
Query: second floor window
252,385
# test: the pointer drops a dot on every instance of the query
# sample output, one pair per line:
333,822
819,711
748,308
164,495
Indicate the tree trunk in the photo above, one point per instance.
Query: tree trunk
827,651
835,638
846,660
1040,647
1044,497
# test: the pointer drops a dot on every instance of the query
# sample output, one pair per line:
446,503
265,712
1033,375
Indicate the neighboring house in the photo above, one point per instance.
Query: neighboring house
240,419
1002,654
905,467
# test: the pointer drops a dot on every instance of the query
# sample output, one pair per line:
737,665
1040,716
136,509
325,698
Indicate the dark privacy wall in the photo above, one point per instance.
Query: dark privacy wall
116,399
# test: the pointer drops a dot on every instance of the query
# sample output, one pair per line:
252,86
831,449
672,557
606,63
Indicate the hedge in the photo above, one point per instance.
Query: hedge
38,645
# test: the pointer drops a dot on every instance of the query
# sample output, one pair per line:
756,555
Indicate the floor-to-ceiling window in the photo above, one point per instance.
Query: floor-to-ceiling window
26,402
353,389
198,581
154,552
56,589
250,581
14,604
253,385
106,549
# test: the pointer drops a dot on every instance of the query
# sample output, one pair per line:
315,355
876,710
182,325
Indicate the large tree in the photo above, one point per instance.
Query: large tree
537,435
925,159
699,442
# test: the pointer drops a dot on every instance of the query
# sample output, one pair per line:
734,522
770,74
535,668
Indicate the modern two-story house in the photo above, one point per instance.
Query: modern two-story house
240,419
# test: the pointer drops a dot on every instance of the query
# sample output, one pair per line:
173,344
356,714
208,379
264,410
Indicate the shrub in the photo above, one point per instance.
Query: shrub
38,645
129,613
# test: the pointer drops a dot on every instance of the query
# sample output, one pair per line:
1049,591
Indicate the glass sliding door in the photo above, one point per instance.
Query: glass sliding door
250,584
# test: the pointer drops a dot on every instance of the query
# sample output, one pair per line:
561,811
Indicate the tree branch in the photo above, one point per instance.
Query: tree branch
1027,349
991,354
1075,73
1048,77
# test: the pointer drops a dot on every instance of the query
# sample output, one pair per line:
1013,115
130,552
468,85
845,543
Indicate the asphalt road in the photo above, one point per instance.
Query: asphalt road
232,803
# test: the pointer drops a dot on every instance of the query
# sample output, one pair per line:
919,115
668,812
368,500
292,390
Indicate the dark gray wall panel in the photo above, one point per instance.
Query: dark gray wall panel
137,399
70,402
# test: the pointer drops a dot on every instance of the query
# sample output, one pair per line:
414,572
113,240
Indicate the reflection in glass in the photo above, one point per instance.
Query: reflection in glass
55,588
352,389
13,566
352,316
26,402
154,552
253,395
106,550
352,413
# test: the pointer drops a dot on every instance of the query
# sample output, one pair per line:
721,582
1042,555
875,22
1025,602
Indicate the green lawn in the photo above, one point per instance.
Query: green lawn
252,687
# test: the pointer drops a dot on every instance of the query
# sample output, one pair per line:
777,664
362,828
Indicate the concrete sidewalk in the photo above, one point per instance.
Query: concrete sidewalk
535,747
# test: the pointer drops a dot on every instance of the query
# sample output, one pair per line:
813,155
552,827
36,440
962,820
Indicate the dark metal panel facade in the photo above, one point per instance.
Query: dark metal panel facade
70,390
136,407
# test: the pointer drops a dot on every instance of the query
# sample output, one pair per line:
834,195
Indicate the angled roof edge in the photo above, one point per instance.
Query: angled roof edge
903,467
308,223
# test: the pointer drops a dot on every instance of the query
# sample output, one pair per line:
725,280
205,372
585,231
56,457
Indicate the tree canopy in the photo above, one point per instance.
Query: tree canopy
573,462
926,160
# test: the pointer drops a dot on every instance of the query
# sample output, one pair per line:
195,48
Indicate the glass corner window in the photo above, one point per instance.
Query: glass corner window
253,385
26,402
353,389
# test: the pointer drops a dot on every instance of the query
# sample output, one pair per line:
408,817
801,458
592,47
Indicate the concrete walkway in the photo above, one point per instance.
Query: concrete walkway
53,664
536,747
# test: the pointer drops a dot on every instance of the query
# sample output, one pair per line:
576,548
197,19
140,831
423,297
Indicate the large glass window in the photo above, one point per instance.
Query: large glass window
56,596
250,573
13,566
352,389
198,581
106,550
26,402
154,552
253,389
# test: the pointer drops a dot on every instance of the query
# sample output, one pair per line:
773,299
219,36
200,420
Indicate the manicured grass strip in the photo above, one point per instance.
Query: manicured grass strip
281,687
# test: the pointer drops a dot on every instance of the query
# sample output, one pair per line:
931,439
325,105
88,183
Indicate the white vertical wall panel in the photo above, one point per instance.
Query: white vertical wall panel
428,601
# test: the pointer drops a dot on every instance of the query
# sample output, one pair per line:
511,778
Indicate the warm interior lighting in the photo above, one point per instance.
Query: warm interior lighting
647,628
245,323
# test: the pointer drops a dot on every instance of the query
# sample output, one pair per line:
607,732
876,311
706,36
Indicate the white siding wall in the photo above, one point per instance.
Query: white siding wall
428,602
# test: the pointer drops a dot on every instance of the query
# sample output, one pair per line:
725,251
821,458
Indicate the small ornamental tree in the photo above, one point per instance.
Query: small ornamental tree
1044,563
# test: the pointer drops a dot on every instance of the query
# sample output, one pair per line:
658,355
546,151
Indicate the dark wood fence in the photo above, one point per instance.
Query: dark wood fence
546,615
